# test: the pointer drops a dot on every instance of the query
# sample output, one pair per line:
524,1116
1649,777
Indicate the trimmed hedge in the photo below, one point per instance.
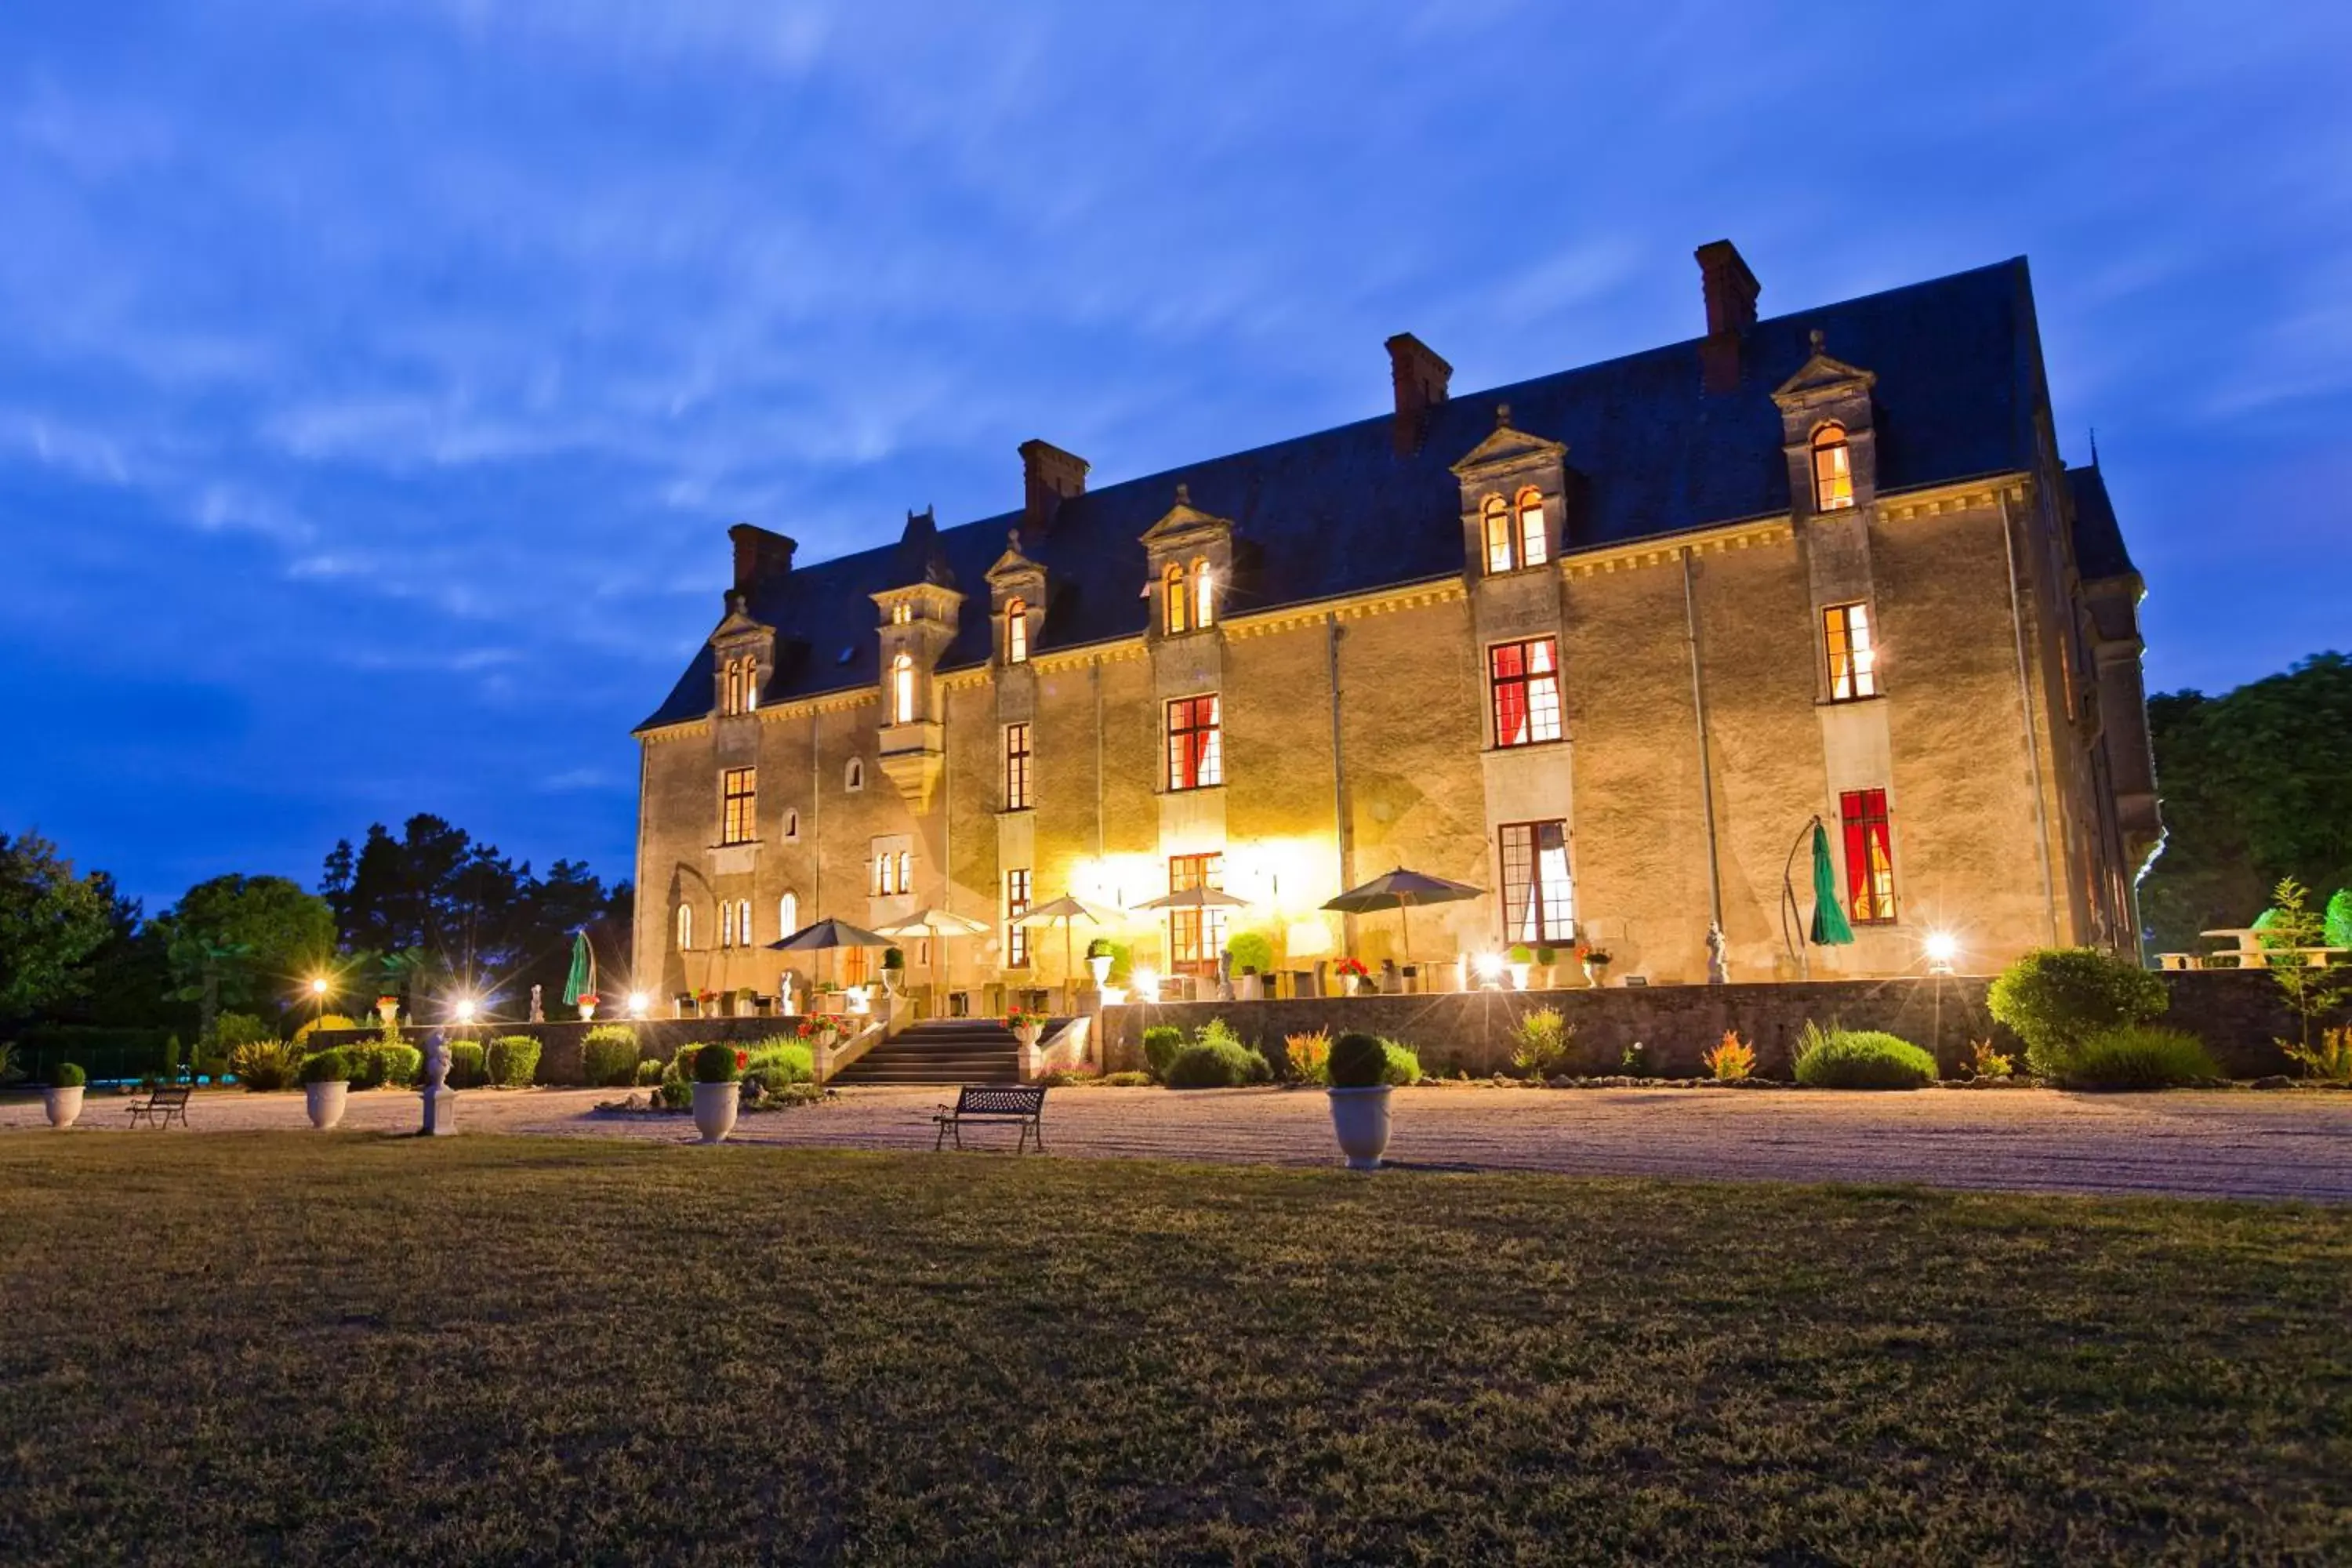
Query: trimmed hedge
2055,997
1210,1063
1161,1042
608,1056
2136,1056
374,1067
327,1067
716,1062
67,1075
512,1061
1865,1058
465,1065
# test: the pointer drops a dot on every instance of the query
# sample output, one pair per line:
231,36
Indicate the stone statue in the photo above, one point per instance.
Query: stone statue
440,1099
538,1009
1718,964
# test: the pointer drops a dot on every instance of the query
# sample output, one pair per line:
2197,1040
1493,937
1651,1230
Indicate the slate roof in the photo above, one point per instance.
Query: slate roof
2098,539
1338,512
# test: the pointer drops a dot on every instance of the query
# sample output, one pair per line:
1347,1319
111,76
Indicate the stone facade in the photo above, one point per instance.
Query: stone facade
1699,735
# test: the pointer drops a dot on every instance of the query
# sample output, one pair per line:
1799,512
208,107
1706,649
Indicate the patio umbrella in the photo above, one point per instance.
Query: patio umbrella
937,924
1067,911
827,934
1401,889
1829,927
1196,899
581,981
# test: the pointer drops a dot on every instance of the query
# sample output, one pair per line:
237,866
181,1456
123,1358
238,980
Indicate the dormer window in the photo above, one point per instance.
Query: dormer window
901,613
1016,631
740,686
1497,524
1204,604
1832,468
1513,531
902,689
1178,609
1535,539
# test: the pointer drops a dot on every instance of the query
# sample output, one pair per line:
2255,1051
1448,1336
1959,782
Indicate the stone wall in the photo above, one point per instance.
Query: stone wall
2236,1015
559,1061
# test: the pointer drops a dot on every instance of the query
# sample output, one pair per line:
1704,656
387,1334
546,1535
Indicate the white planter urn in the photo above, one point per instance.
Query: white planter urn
325,1102
1100,969
1359,1117
714,1110
62,1104
1520,973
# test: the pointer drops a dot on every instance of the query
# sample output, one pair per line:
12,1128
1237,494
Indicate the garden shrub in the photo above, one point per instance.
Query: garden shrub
1986,1063
718,1062
1731,1060
1161,1044
231,1030
262,1065
1251,950
327,1067
675,1093
329,1021
2330,1061
649,1072
1215,1061
776,1096
2134,1055
466,1064
2055,996
1309,1056
67,1075
608,1055
1358,1061
789,1061
1542,1039
512,1061
403,1066
1126,1080
1864,1059
1399,1063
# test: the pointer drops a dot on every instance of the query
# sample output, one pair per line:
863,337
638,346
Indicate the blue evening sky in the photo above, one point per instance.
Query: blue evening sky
378,377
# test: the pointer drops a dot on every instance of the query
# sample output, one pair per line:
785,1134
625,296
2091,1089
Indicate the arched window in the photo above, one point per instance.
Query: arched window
1498,522
726,923
853,777
1204,598
751,685
1171,590
1832,468
1016,631
788,915
743,922
1535,539
685,928
901,613
731,700
902,689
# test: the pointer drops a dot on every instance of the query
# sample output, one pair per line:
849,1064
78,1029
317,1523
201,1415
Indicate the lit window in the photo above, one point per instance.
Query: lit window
737,819
685,928
1499,558
1196,744
1526,681
900,614
1171,590
905,883
1535,539
743,922
1195,937
1016,904
750,684
1016,632
1832,470
1537,896
1204,599
1016,767
1854,658
788,916
881,879
902,689
1869,856
726,923
732,700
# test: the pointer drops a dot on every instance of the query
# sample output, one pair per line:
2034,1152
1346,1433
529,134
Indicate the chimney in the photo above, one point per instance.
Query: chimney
759,555
1731,292
1049,477
1420,380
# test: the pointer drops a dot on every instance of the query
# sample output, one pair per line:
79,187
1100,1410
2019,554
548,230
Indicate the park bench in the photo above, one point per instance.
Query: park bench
165,1101
1023,1105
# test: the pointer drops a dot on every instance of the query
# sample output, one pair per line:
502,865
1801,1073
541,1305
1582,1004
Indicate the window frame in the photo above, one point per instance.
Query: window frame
1532,882
1530,532
1530,684
1199,932
1858,680
1832,489
739,809
1016,631
684,926
1019,761
1020,888
1495,533
788,914
902,688
1201,578
1867,828
1195,751
1176,617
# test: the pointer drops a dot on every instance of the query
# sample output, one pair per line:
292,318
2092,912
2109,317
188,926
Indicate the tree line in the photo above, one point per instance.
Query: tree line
427,913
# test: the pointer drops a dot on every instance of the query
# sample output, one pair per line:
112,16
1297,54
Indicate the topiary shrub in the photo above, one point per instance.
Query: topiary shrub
1358,1061
1214,1064
67,1075
649,1072
2056,996
608,1056
326,1066
2134,1055
512,1061
1161,1044
1864,1059
466,1064
1251,950
717,1062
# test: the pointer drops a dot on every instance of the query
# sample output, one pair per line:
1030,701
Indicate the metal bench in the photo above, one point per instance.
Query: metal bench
1023,1105
162,1102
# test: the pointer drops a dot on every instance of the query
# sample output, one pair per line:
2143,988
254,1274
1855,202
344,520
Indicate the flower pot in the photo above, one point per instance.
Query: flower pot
1591,974
1359,1117
62,1104
1520,973
1029,1034
714,1110
325,1102
1100,969
587,1011
387,1008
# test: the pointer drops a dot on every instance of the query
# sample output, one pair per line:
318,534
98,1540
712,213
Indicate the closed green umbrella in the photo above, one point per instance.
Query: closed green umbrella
1830,929
581,981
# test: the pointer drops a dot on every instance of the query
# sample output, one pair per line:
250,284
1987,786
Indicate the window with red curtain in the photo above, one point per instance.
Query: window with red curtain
1196,752
1869,856
1526,681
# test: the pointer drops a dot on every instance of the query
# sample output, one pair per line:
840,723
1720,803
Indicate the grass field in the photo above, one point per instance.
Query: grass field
299,1347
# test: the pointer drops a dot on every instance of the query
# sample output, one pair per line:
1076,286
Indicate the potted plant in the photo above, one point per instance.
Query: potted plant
326,1087
62,1097
1098,960
1547,960
894,970
1359,1100
1026,1027
1519,961
1354,978
718,1088
387,1008
706,1003
1596,963
586,1002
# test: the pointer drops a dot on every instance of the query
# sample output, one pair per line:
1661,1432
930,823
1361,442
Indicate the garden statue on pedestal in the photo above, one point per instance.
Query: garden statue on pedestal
1719,966
440,1099
1225,975
537,1007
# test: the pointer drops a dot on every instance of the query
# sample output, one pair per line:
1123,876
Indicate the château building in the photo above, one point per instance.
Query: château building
1603,643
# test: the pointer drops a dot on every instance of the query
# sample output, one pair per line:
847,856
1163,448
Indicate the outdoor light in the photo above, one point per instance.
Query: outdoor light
1489,965
465,1009
1147,985
1942,947
636,1004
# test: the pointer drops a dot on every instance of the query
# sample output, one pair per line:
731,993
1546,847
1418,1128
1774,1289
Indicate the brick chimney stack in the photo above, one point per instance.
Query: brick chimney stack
1731,292
1420,380
1049,477
759,555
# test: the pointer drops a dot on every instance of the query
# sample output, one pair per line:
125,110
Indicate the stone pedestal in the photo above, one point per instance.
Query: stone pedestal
440,1112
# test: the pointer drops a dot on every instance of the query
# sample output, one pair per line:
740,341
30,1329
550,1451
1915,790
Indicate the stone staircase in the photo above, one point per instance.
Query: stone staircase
943,1051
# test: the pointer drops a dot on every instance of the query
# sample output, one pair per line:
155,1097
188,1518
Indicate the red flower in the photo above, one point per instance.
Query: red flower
742,1060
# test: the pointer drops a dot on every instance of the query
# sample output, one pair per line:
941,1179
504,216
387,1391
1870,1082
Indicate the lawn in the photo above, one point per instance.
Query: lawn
367,1349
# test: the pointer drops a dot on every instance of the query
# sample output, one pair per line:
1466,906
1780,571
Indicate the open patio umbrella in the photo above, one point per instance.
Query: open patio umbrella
1402,889
937,924
1828,928
1067,911
1196,898
827,934
581,981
